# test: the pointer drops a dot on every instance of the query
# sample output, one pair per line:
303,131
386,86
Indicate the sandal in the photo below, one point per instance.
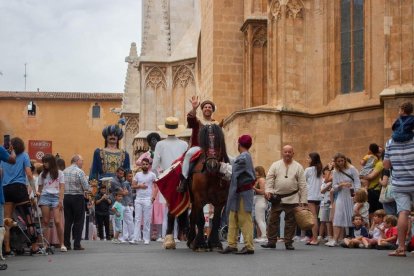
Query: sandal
398,253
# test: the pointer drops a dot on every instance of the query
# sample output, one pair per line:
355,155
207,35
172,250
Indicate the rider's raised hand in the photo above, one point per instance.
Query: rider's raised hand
195,103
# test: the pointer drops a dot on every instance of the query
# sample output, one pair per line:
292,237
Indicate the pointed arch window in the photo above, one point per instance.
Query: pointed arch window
352,46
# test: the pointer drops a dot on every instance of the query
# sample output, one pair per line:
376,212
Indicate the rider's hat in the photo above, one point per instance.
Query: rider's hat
210,103
171,126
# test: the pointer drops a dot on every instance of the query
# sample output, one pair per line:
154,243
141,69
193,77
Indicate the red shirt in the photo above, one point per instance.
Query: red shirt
195,124
390,233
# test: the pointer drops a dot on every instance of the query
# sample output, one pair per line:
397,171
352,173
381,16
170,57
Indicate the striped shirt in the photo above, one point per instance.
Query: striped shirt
75,181
401,157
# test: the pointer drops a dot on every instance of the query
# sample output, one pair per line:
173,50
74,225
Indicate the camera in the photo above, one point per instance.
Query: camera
6,141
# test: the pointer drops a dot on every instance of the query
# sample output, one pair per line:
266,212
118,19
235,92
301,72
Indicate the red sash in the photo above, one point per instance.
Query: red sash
245,187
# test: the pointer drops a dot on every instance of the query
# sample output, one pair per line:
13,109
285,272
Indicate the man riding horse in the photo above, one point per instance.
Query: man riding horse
195,123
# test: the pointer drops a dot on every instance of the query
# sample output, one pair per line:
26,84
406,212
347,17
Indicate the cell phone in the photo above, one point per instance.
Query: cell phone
6,141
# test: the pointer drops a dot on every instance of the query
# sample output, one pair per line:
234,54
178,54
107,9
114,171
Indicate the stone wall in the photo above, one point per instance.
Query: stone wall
225,85
349,132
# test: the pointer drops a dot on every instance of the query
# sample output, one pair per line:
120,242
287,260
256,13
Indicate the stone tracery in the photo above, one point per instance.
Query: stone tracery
259,37
183,76
155,79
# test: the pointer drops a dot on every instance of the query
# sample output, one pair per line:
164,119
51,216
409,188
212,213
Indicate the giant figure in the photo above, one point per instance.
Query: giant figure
107,160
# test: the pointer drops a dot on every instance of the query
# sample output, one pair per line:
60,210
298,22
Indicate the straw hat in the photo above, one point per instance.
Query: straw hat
171,126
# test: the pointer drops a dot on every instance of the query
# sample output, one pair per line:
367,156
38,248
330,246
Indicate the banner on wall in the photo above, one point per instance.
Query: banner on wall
38,149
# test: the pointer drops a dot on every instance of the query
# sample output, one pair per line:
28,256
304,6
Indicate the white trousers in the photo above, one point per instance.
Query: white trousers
143,208
259,212
128,224
186,163
165,224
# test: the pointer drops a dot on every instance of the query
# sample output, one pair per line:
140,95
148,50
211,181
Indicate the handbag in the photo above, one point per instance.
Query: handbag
387,195
304,218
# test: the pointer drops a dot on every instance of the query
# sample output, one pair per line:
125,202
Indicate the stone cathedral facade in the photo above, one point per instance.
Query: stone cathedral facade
320,75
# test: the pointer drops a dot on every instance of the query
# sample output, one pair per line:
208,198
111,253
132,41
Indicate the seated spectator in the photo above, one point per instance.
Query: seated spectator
375,231
358,235
389,234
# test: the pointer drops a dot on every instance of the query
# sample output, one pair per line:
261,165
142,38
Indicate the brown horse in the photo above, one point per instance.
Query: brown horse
208,187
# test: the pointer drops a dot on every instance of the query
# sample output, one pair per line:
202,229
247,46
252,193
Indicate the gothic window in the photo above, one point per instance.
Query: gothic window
31,109
96,111
352,46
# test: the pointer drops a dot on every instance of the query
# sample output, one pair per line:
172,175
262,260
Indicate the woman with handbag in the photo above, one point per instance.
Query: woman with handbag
387,197
345,181
314,176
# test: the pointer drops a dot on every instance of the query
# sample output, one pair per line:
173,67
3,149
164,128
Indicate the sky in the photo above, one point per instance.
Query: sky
69,46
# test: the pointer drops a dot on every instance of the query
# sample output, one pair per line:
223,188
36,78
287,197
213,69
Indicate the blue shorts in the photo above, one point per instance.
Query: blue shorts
49,200
118,225
403,201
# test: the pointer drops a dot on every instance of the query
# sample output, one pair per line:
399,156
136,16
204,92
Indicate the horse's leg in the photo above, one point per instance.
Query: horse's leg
182,223
214,242
170,224
192,232
200,243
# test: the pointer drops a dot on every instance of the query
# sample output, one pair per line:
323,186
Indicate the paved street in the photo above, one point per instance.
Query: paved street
105,258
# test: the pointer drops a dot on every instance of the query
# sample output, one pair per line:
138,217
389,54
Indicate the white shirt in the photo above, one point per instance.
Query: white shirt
166,152
51,186
147,179
313,183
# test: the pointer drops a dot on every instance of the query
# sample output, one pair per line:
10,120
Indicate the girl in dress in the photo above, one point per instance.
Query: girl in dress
314,181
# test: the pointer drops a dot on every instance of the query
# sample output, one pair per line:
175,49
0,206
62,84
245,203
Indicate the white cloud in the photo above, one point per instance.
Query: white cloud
77,45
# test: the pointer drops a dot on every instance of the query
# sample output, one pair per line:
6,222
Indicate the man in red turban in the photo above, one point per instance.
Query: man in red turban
240,201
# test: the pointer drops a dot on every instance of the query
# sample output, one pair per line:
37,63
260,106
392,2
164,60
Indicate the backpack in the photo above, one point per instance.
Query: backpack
399,135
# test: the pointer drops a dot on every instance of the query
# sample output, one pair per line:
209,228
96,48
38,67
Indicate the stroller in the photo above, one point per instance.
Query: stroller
20,240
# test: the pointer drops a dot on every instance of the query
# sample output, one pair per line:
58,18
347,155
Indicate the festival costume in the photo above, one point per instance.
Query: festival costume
166,152
240,199
195,124
105,163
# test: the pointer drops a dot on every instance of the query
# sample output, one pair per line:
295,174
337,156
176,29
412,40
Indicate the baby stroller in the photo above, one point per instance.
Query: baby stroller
223,231
21,236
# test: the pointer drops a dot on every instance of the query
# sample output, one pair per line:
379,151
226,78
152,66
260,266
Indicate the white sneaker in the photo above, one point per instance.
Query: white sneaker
320,239
133,242
176,240
331,243
122,241
160,240
260,240
146,243
115,241
305,239
296,238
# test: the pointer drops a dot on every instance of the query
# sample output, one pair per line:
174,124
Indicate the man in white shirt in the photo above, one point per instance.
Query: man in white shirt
166,152
146,194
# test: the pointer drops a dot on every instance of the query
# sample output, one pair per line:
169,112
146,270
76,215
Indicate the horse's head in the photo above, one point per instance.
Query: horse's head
211,140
